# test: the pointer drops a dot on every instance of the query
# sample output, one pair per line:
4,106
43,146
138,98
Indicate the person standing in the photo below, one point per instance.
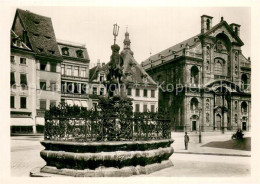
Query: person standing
186,140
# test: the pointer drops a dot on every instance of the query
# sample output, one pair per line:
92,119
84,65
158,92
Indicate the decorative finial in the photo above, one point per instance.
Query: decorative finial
150,52
115,32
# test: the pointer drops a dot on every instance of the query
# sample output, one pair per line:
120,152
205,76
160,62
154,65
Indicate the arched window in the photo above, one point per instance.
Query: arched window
208,24
243,107
244,81
194,76
194,104
219,66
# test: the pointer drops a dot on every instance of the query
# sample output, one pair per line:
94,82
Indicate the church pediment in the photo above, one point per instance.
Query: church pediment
224,28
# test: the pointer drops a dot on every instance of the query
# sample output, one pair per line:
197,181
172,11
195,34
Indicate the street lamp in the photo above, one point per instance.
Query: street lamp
199,125
115,32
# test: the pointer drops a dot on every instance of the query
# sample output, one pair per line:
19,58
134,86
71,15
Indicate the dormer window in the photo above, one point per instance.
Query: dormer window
40,49
79,53
35,34
47,37
18,43
36,22
51,51
65,51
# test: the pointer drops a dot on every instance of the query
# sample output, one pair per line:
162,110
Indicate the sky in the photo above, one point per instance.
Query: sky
151,29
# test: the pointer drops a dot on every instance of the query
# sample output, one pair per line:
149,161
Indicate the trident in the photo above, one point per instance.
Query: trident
115,32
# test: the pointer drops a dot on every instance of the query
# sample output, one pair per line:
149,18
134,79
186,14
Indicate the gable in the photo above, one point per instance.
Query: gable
223,27
18,28
39,32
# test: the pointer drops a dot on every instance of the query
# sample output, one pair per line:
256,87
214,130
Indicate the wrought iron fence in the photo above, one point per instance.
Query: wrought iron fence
100,128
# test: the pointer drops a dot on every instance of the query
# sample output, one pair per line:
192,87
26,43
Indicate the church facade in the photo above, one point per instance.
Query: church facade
204,81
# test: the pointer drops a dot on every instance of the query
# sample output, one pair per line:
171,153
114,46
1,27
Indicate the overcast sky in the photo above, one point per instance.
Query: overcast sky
151,29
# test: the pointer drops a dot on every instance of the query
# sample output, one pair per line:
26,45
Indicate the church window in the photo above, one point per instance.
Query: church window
243,107
194,76
219,66
244,81
194,104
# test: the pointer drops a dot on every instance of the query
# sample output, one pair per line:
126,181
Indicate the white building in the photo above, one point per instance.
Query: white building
35,71
74,73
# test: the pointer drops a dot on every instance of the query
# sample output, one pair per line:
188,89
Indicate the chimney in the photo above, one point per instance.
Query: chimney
206,23
98,62
235,28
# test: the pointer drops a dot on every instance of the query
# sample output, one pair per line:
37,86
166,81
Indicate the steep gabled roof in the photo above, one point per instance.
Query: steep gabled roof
40,33
135,72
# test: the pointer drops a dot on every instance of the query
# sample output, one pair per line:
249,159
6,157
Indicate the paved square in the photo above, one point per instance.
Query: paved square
198,161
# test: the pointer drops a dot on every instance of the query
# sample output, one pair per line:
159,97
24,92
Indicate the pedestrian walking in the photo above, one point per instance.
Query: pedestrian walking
186,140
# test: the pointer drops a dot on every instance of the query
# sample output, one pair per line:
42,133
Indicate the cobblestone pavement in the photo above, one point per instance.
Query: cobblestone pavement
25,154
197,161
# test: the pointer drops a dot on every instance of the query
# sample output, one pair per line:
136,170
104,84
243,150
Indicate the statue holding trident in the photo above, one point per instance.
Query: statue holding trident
115,67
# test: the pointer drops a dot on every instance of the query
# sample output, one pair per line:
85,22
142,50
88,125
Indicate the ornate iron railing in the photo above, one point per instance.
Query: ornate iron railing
96,128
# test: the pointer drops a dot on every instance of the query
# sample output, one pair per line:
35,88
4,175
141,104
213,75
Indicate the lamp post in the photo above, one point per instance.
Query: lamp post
199,126
115,32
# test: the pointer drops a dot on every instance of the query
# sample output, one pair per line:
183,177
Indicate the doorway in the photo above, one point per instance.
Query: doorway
244,126
194,126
